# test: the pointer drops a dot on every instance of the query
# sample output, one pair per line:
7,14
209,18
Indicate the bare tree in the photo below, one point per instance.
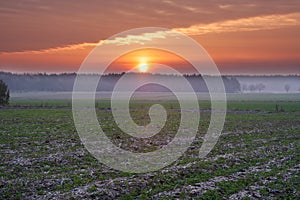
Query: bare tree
260,87
244,87
287,87
252,87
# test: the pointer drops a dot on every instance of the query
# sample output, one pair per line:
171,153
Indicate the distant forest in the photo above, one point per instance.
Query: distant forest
64,82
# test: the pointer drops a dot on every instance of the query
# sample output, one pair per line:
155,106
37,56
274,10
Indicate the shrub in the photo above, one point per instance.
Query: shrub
4,93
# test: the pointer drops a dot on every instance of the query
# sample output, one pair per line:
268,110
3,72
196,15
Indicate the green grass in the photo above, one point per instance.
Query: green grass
243,102
41,154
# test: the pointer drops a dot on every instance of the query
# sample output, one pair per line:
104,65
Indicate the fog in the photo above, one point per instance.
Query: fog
269,84
60,86
65,82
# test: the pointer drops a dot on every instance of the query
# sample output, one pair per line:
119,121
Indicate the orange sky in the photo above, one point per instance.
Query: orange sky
148,57
243,38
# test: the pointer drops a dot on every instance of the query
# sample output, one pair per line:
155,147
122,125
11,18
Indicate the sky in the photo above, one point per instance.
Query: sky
242,37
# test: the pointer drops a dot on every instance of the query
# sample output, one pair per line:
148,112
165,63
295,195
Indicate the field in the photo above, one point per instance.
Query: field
257,156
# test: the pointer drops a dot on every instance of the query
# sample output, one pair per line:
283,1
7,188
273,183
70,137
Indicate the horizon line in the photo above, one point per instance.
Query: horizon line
148,73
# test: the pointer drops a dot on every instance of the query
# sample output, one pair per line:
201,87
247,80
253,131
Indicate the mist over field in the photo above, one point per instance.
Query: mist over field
65,82
270,84
60,86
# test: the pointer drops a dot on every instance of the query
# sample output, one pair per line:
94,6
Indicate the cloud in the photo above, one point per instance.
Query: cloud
57,49
36,24
126,40
267,22
139,39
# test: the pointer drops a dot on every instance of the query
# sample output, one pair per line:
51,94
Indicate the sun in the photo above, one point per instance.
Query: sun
143,67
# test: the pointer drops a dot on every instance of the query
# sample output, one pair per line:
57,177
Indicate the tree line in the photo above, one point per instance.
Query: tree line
65,81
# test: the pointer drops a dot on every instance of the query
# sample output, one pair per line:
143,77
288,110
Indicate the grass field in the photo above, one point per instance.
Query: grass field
257,156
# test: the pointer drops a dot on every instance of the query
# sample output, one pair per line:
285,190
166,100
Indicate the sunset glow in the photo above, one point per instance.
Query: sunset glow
143,65
148,60
241,38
